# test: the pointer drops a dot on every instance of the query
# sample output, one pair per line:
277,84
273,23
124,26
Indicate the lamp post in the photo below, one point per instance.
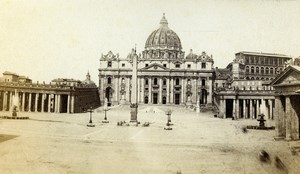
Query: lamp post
168,113
90,124
105,110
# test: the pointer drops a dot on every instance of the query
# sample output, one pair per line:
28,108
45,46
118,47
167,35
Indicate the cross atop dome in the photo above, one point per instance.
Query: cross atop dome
163,21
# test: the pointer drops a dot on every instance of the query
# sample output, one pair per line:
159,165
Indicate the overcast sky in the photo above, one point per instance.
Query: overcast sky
47,39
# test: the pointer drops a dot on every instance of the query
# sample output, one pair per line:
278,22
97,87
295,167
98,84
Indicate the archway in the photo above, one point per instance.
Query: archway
108,95
203,96
295,100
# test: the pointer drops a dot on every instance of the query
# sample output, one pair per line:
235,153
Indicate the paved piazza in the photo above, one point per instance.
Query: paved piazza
198,143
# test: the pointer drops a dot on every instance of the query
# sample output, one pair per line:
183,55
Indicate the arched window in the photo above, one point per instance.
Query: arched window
267,70
247,69
155,81
164,100
108,80
271,71
267,79
146,81
164,82
262,78
262,70
257,70
257,78
252,69
177,81
252,78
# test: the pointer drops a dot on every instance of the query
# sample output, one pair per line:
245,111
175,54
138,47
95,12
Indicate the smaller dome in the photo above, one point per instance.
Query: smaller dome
88,82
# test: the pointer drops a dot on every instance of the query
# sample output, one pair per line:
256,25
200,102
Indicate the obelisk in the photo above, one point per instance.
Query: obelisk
134,102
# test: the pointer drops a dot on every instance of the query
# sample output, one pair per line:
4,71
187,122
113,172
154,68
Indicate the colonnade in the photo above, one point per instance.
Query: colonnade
36,102
247,108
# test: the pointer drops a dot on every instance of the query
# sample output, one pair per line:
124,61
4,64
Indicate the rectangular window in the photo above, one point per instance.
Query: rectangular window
203,65
109,64
123,64
189,66
177,66
146,65
165,65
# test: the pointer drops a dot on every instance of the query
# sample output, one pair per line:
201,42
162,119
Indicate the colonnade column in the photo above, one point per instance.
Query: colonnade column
36,102
58,107
68,105
244,109
271,109
72,103
251,109
23,101
4,101
257,108
29,102
56,103
43,102
10,101
237,115
49,102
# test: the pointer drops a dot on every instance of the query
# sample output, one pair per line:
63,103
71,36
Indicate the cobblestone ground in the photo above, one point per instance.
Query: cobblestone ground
198,143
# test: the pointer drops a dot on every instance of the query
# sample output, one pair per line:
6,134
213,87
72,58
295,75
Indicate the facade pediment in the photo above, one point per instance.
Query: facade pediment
155,66
291,75
110,56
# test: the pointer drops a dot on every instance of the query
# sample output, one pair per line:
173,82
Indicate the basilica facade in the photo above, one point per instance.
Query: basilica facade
165,74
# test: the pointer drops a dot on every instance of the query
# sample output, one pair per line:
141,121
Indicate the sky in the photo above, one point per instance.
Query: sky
48,39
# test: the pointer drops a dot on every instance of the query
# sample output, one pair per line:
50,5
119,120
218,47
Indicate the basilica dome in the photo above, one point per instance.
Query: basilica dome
163,38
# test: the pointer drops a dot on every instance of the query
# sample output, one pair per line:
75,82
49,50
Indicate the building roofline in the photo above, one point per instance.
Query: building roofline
263,54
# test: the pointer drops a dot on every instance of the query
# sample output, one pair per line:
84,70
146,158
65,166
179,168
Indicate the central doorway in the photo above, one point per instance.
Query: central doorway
155,97
177,99
108,95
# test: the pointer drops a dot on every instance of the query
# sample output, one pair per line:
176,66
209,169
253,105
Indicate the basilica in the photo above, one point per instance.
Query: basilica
166,75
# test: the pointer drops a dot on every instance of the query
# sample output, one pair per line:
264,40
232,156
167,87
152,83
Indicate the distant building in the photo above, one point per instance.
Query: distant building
297,61
257,66
60,96
165,74
245,90
287,101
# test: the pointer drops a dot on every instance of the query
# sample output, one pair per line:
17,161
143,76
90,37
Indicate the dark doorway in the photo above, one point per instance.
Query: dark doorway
295,100
108,95
177,99
155,98
146,100
64,103
241,104
229,108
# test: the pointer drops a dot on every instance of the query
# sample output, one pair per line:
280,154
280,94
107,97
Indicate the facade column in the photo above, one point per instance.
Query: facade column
222,108
68,105
288,111
142,90
168,90
29,102
43,102
150,91
182,91
49,103
251,109
36,102
172,91
117,91
160,91
23,102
